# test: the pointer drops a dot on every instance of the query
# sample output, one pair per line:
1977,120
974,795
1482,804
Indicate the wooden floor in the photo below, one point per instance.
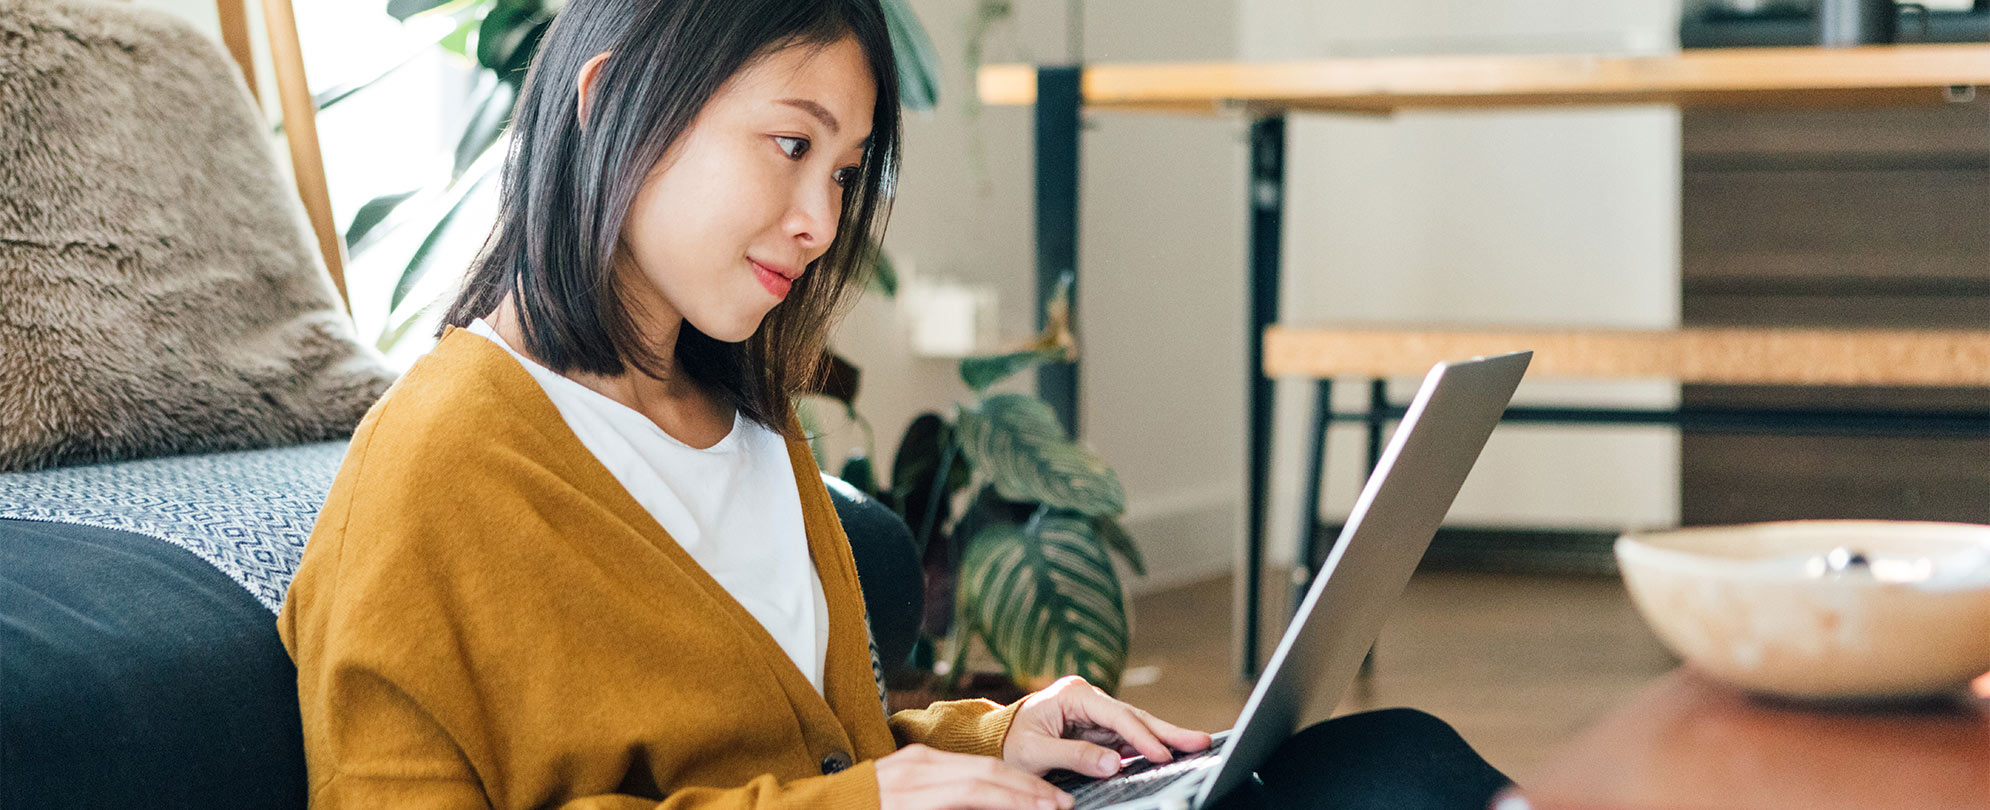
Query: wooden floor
1516,663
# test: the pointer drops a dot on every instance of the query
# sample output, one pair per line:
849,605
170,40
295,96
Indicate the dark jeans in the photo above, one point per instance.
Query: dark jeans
1401,759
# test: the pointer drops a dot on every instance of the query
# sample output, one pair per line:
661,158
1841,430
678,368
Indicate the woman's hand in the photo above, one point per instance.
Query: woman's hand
919,778
1074,726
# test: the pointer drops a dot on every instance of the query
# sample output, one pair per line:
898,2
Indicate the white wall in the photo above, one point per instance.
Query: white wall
1162,258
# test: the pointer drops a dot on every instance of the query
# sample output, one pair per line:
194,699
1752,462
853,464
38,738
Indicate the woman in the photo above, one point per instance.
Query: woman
579,556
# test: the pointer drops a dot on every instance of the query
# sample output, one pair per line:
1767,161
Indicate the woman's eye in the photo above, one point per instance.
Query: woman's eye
846,176
794,148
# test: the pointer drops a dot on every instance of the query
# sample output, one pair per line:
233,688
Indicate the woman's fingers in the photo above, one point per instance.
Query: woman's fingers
921,778
959,797
1178,738
1129,723
1073,711
1083,757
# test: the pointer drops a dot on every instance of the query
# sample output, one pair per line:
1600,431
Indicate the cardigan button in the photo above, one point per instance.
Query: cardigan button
836,762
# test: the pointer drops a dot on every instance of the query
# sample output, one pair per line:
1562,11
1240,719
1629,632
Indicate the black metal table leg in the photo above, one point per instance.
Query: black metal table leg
1309,506
1378,418
1057,128
1267,202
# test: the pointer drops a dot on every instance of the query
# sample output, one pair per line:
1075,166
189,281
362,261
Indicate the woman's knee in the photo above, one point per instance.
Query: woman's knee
1399,758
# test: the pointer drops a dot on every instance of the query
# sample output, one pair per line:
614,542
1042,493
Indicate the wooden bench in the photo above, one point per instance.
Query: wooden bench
1725,356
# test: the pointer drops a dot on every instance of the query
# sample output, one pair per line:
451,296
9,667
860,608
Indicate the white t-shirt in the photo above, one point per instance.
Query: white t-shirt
733,506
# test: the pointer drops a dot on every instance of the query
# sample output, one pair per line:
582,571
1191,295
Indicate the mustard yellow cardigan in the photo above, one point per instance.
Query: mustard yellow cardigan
485,617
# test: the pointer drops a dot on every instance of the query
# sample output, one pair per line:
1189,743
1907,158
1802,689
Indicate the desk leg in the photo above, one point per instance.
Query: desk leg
1267,204
1378,410
1378,419
1309,506
1057,131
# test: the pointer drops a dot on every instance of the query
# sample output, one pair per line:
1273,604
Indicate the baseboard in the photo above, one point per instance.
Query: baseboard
1511,551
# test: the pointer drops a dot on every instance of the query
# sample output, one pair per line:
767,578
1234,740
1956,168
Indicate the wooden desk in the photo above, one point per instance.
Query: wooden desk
1783,78
1686,742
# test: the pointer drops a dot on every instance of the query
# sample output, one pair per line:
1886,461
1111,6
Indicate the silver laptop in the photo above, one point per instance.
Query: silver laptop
1399,510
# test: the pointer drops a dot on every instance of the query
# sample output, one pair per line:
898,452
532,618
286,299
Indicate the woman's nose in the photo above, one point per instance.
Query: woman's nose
812,219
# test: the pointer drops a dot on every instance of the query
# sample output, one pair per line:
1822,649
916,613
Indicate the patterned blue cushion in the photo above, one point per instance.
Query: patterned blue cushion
247,513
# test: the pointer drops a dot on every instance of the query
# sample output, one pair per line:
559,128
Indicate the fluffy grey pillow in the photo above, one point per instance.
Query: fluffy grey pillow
159,293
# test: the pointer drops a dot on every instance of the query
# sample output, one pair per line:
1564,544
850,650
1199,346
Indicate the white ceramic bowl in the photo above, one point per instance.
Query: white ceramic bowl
1788,609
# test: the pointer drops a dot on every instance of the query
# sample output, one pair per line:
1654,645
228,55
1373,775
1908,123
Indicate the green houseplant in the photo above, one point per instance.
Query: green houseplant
1025,566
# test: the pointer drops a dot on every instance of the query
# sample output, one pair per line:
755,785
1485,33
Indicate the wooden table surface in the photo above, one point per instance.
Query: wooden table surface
1686,742
1784,78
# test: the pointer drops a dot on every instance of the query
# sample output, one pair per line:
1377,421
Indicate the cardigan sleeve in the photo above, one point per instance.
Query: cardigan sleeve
961,726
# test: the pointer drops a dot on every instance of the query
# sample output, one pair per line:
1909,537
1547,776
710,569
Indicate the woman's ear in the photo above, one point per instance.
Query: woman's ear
586,89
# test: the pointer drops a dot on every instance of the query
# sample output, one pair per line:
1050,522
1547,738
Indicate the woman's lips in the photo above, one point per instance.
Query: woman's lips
774,282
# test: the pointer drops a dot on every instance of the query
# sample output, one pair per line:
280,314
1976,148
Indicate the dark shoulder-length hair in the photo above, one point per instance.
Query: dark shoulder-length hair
567,188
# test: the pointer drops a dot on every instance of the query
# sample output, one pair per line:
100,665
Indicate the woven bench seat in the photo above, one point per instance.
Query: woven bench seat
1695,356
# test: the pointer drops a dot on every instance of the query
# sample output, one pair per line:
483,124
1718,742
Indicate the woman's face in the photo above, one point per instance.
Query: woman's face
750,195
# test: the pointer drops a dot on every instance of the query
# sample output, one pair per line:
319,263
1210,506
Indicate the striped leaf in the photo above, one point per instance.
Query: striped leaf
918,67
986,370
1016,440
1115,537
1043,596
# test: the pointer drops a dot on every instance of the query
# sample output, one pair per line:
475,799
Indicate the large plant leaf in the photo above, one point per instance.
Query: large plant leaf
403,9
925,500
373,213
939,576
419,264
1118,541
514,69
392,335
1056,334
506,30
857,472
884,275
330,97
918,66
1055,344
839,380
458,41
912,468
987,508
1016,440
1044,598
981,372
487,125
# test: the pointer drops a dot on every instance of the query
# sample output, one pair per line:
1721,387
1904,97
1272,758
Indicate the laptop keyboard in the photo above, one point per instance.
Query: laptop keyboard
1140,778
